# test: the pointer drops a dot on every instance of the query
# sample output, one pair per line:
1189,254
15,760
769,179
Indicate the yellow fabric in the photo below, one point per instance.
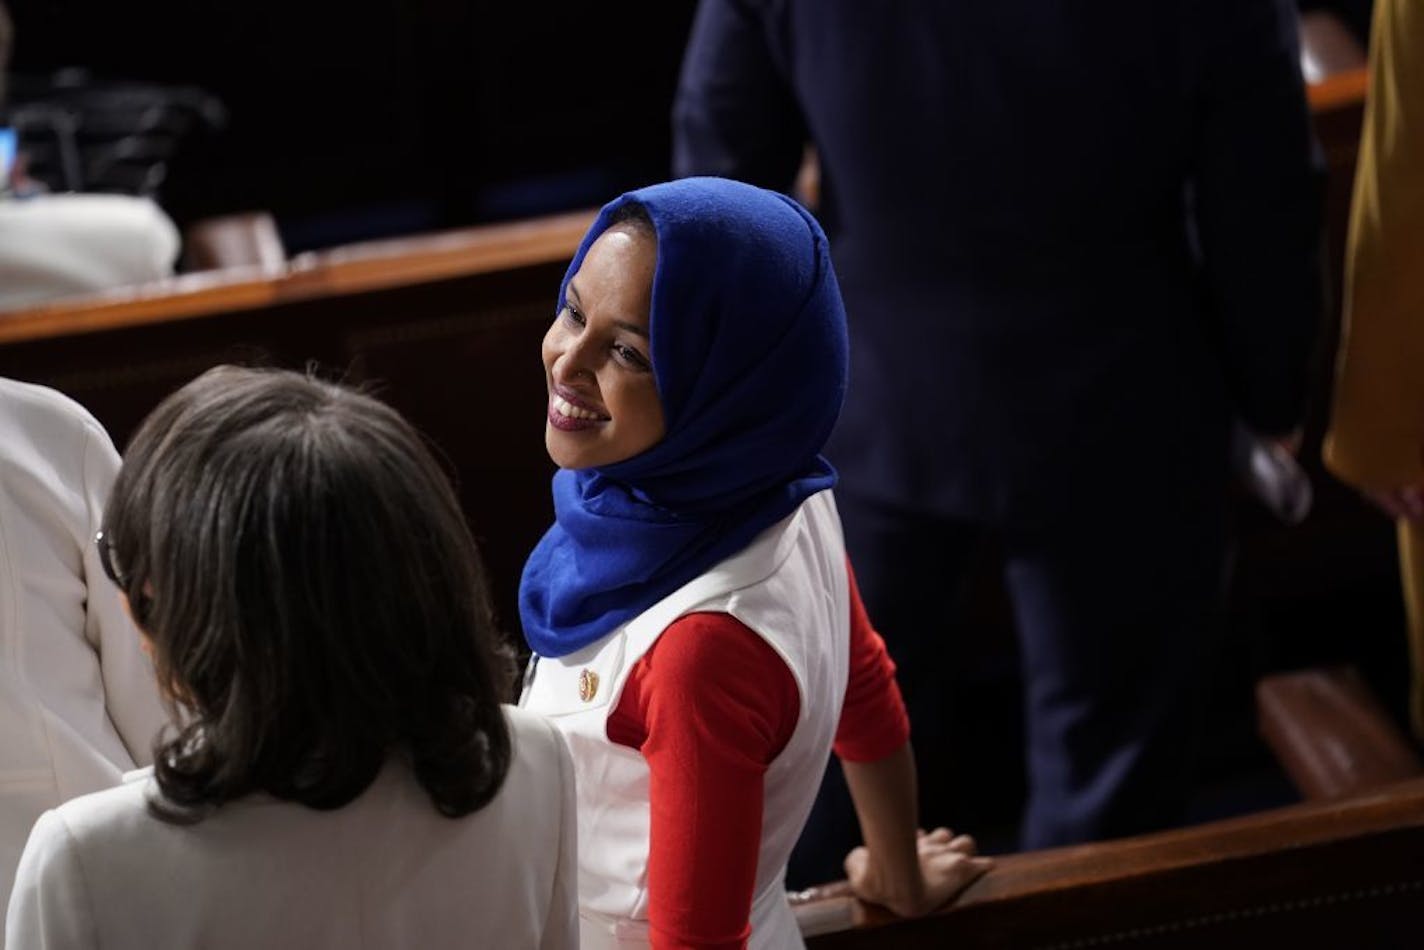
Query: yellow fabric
1411,569
1376,436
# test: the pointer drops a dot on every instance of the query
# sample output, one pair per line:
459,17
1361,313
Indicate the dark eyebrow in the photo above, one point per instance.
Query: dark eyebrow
572,291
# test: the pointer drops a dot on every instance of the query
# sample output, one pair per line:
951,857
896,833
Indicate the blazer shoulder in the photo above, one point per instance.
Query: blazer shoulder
38,414
540,754
110,811
532,731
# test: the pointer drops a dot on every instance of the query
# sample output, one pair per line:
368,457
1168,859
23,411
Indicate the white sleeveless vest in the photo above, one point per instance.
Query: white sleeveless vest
790,587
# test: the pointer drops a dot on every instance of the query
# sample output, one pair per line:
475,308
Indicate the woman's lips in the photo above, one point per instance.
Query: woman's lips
568,415
576,401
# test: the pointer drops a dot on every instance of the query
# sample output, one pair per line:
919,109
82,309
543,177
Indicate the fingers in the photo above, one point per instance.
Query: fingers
944,839
947,873
960,868
855,864
948,863
953,859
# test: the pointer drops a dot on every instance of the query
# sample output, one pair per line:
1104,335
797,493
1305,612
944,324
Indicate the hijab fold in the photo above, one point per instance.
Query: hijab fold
749,355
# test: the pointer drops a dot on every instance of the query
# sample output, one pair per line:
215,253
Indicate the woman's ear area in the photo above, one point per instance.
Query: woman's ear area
145,639
171,691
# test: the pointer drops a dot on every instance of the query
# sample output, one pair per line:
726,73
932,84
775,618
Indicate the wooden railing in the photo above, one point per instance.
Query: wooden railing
353,269
1342,870
1318,875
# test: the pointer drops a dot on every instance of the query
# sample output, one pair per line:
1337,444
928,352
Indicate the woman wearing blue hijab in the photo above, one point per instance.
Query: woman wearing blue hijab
699,640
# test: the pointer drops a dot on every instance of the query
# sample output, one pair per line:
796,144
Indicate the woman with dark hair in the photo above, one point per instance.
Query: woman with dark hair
345,775
698,636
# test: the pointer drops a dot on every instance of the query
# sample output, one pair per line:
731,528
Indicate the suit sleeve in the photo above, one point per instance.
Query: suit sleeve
1376,437
130,690
49,905
735,114
1257,187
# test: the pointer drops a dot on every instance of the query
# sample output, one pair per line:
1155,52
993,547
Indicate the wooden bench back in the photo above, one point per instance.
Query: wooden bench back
1319,875
444,327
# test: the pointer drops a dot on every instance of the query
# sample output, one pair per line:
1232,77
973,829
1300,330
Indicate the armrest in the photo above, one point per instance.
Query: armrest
1330,735
1319,874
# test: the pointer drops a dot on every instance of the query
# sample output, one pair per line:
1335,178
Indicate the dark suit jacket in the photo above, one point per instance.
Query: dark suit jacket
1074,236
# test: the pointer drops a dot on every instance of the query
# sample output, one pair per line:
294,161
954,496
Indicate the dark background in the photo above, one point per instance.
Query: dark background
351,121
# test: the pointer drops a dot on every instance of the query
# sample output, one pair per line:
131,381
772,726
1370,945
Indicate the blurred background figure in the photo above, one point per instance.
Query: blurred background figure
78,702
55,246
417,115
1074,245
58,245
7,39
1376,437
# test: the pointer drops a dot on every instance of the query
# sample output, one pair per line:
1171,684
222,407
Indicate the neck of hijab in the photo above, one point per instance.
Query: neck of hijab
749,354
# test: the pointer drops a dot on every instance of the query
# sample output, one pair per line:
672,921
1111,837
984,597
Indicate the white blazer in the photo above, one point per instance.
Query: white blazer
385,871
78,702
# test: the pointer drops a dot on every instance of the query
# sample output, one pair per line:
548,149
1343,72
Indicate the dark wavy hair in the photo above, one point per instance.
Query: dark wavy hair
314,598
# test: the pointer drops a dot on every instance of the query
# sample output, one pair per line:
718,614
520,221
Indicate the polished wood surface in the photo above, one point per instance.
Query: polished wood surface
377,265
1327,875
1330,733
353,269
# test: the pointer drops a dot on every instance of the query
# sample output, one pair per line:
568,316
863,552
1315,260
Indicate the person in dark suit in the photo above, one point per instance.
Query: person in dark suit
1075,242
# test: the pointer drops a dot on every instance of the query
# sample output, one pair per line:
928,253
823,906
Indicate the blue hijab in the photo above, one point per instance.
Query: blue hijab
749,354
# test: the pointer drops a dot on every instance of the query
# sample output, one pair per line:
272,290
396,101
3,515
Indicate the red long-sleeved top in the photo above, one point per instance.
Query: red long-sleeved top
710,706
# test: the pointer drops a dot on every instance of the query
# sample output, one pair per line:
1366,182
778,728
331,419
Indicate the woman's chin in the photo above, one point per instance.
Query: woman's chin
561,452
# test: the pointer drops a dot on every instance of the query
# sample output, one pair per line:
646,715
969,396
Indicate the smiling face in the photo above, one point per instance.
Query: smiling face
603,400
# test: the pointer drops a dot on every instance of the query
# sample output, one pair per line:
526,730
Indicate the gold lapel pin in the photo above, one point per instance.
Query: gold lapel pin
588,685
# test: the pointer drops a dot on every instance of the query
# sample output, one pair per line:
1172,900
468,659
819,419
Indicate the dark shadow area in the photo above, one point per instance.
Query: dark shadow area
389,118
